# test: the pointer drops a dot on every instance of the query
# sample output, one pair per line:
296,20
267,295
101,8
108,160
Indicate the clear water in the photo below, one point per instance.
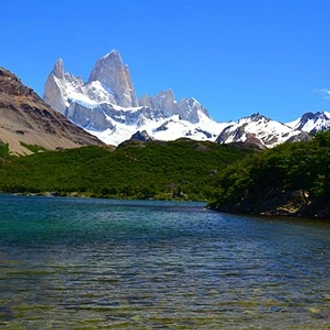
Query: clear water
93,264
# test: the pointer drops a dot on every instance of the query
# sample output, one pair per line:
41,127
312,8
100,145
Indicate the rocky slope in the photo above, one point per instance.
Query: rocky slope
25,117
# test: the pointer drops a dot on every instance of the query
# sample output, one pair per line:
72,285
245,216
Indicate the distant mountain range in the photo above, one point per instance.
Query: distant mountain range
262,131
107,107
25,119
312,122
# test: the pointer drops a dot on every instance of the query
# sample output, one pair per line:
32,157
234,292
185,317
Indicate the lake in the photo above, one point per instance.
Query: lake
75,263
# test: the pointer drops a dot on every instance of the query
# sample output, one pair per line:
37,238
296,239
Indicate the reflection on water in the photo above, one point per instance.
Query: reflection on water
83,263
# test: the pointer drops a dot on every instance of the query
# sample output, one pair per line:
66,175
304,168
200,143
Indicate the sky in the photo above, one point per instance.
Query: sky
236,57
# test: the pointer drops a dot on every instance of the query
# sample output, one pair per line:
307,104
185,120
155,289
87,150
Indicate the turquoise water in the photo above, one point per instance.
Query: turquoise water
71,263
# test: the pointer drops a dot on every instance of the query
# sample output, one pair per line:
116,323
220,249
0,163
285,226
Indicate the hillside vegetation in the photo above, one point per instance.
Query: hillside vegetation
182,169
291,179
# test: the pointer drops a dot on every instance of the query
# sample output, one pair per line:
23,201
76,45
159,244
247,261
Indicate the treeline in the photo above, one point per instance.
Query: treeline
293,178
182,169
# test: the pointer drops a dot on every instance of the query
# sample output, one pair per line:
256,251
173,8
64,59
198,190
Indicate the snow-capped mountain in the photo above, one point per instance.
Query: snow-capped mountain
312,122
107,106
261,131
170,128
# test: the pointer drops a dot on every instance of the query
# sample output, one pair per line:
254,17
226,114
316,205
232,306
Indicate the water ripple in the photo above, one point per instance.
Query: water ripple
82,263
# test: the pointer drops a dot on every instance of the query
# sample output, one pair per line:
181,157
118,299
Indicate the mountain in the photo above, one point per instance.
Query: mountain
111,72
262,131
181,169
141,137
312,122
26,119
106,105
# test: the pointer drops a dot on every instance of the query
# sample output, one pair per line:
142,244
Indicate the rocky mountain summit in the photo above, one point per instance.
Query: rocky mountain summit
111,72
107,107
26,119
187,109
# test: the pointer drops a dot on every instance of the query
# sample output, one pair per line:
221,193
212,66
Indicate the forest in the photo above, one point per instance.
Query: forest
183,169
290,179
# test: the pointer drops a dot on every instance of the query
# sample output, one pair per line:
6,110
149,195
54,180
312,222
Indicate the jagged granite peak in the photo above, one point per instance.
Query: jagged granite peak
312,122
264,131
96,105
192,109
164,101
145,101
63,91
110,71
53,93
106,106
187,109
25,117
58,70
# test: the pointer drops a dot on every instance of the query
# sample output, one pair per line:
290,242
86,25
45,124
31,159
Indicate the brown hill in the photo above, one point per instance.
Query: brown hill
25,117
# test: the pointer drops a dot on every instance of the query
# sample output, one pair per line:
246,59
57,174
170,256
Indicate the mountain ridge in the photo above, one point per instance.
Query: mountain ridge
262,131
106,105
97,106
312,122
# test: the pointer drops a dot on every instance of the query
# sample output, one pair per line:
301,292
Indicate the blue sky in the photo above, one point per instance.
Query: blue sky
235,57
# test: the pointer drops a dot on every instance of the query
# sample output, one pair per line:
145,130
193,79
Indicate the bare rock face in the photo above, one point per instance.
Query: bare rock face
191,110
111,72
58,70
63,89
145,101
106,105
25,117
165,102
187,109
53,94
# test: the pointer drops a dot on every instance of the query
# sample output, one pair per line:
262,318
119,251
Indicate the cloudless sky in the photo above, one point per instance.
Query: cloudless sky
236,57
